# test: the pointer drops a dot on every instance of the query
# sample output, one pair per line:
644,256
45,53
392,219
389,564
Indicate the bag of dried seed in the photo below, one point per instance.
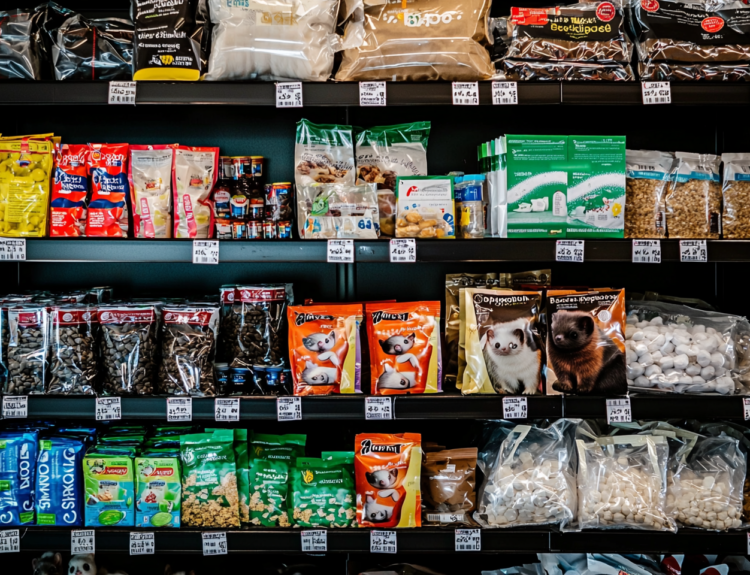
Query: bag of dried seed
73,350
736,193
322,494
241,462
647,175
28,339
694,197
269,487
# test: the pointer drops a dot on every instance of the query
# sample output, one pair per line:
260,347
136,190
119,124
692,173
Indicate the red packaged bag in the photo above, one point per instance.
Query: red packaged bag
108,212
70,190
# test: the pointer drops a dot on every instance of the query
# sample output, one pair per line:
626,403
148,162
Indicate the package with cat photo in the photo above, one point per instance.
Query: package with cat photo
404,343
586,342
387,469
324,348
504,342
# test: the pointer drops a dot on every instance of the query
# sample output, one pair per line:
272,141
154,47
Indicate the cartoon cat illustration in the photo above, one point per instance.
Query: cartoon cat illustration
383,478
392,379
375,512
317,375
322,344
397,344
512,357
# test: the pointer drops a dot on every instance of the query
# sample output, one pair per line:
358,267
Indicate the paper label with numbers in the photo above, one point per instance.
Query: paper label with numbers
569,251
618,411
314,541
504,93
15,406
383,542
142,544
340,252
468,540
646,251
372,94
403,250
205,251
515,408
179,409
10,541
746,407
693,251
465,93
122,93
215,543
12,250
82,542
656,92
289,95
378,408
289,409
227,409
108,408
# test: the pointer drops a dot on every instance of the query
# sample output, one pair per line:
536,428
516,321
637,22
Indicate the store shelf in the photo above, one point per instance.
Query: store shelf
691,541
702,407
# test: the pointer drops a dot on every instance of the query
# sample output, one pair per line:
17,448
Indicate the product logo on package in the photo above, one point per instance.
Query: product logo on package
712,24
414,19
367,447
650,5
605,11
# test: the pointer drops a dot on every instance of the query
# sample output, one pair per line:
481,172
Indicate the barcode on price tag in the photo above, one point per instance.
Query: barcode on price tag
10,541
82,542
108,408
122,93
289,409
465,93
12,250
383,542
378,408
446,517
215,543
618,411
746,407
289,95
179,409
141,544
515,408
340,252
569,251
403,250
372,94
227,409
15,406
205,251
314,541
656,92
468,540
646,251
693,251
504,93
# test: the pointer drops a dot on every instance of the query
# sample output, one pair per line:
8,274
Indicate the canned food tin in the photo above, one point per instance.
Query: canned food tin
284,230
254,230
239,230
256,166
269,230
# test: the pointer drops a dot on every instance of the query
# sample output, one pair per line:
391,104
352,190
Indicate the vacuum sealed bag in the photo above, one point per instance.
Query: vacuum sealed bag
28,345
685,71
449,480
323,154
20,44
647,175
194,171
150,175
337,211
70,191
556,71
735,222
693,197
74,358
107,214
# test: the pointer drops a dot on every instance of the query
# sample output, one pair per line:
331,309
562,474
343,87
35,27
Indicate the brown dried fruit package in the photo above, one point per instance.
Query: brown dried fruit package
449,486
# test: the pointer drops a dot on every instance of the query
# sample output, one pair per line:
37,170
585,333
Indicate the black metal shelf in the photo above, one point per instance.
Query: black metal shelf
703,407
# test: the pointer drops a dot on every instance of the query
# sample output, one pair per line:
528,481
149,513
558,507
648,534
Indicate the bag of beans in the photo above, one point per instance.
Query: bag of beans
73,350
647,175
27,356
736,194
693,198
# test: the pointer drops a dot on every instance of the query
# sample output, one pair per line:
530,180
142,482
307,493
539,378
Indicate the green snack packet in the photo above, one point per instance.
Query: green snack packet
322,494
241,458
108,484
277,448
269,484
158,490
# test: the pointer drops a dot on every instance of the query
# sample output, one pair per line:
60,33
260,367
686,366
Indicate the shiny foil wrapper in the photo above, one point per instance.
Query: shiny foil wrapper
677,72
523,70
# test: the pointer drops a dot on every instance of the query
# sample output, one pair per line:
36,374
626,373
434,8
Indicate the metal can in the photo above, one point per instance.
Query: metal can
254,230
256,166
222,377
284,230
269,230
223,229
240,379
271,203
226,168
255,209
239,164
239,230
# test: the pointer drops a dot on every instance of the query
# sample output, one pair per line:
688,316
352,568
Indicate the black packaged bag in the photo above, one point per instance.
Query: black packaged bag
20,44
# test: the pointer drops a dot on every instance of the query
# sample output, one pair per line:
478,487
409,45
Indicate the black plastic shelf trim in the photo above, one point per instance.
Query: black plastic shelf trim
703,407
629,93
621,540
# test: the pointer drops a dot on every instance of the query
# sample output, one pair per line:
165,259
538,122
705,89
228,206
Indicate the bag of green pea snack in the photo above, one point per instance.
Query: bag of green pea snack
278,448
158,490
269,485
242,463
322,494
108,484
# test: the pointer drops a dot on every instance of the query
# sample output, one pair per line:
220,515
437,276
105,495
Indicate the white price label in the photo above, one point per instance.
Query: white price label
227,409
646,251
12,250
142,544
108,408
289,94
693,251
746,407
372,94
569,251
289,409
82,542
215,543
403,250
122,93
179,409
504,93
618,411
314,541
378,407
383,542
15,406
656,92
10,541
205,251
340,252
515,408
465,93
468,540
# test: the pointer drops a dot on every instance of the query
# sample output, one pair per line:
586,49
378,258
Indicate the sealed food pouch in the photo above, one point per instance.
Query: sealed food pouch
269,489
405,355
448,486
28,353
388,475
425,207
736,194
74,354
20,43
150,175
194,174
693,197
109,488
322,494
59,482
17,478
158,490
323,154
70,190
324,348
646,177
338,211
108,210
282,449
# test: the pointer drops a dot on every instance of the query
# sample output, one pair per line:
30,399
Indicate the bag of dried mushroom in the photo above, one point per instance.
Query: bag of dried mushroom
694,197
647,175
736,193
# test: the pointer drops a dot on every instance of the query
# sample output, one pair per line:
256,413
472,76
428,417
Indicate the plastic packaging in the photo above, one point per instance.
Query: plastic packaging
20,44
107,215
28,348
693,197
551,71
74,354
109,488
150,176
322,494
449,486
323,154
157,490
736,194
494,156
679,72
194,172
470,214
647,174
17,462
338,211
70,190
425,207
59,482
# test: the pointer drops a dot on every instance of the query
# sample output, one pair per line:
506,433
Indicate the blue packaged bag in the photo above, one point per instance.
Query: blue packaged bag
17,469
59,482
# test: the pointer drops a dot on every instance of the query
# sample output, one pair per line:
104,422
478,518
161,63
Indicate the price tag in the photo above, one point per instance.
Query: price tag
108,408
618,411
314,541
289,409
382,542
378,407
227,409
215,543
515,408
142,544
468,539
82,542
569,251
15,406
205,251
693,251
289,94
746,407
122,93
372,94
656,93
465,93
340,252
504,93
12,250
179,409
10,541
403,250
646,251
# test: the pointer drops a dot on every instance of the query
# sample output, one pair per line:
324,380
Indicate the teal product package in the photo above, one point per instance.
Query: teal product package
158,491
109,488
17,469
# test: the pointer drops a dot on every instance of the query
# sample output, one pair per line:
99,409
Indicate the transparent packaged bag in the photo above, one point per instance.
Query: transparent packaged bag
28,346
74,357
735,221
338,211
20,44
646,181
693,197
150,175
194,172
554,71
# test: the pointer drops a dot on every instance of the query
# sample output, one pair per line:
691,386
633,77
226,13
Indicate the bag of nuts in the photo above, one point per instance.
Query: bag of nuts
188,346
73,350
128,348
694,197
28,339
736,193
647,175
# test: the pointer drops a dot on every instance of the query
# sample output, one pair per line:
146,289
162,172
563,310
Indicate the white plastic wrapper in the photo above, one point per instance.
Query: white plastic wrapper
195,173
151,190
338,211
273,40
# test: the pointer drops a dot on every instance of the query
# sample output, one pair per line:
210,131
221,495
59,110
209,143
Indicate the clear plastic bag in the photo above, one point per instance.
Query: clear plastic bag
74,365
194,174
338,211
20,44
556,71
150,178
694,197
735,221
645,184
28,341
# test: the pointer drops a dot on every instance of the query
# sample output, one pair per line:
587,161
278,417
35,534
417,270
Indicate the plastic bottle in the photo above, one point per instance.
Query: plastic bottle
471,212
